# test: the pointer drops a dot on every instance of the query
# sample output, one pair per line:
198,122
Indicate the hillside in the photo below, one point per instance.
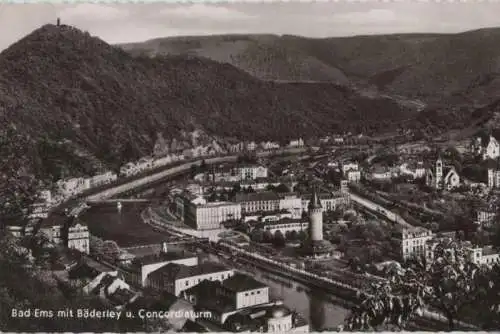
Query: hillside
66,91
462,67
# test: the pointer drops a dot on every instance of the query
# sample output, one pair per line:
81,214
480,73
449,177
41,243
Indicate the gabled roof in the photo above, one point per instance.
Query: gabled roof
258,196
179,271
240,282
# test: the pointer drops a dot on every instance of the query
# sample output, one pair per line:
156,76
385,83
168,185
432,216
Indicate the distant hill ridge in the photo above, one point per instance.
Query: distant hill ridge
60,85
463,67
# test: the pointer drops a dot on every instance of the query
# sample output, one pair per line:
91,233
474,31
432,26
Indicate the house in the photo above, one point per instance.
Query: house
381,173
251,172
296,143
73,186
416,170
178,312
413,241
442,177
101,179
147,264
208,216
175,278
488,147
78,236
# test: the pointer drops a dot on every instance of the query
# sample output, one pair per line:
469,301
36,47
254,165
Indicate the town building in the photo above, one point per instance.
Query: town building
68,231
381,173
268,146
175,278
296,143
349,166
493,177
267,216
330,201
242,304
286,225
251,172
72,187
261,201
208,216
414,169
413,242
478,255
442,177
101,179
145,265
488,148
78,236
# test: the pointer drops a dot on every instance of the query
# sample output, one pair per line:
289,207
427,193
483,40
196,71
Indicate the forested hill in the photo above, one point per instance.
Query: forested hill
66,91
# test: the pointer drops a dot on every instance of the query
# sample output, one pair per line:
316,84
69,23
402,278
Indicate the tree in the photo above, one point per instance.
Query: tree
110,250
268,236
270,187
279,239
281,188
449,283
257,235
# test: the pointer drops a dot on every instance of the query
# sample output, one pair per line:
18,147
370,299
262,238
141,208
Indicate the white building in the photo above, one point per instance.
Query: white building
104,178
347,166
489,149
415,170
292,204
296,143
267,146
329,201
148,264
176,278
286,225
78,237
413,242
209,216
258,202
251,172
73,186
493,178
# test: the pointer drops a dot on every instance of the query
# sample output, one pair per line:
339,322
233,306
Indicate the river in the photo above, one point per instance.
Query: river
317,307
126,228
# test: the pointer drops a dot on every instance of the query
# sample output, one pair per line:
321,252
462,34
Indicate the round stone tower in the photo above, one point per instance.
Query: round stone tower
315,218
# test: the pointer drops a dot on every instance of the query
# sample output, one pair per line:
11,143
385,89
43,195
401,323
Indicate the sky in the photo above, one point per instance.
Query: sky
124,23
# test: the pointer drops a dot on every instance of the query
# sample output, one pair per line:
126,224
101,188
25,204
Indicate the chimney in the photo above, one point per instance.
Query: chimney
58,21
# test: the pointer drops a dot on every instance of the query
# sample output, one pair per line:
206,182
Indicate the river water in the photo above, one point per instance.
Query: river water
317,307
126,227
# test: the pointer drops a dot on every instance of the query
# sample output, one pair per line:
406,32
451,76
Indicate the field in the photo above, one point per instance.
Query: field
126,228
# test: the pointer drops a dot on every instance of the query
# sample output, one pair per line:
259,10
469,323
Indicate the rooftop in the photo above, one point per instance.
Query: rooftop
216,204
258,196
180,271
161,257
489,250
240,282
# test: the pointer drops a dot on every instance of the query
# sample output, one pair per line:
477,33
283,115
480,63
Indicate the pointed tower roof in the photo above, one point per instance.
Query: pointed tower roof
315,203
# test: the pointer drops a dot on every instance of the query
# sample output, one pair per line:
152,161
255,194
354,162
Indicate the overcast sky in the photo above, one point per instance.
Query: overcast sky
138,22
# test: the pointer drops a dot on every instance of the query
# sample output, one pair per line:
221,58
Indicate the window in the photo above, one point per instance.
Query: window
246,294
187,283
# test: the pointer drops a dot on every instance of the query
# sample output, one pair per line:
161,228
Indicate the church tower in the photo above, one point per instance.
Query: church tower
439,172
315,218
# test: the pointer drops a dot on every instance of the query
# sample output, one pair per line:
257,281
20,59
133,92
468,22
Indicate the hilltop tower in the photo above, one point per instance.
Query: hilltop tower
58,21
